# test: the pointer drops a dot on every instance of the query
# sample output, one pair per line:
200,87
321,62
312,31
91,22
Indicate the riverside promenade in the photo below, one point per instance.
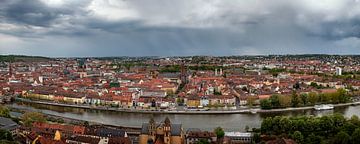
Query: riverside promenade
161,111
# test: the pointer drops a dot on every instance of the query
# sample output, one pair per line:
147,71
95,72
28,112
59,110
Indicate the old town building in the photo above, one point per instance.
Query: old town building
161,133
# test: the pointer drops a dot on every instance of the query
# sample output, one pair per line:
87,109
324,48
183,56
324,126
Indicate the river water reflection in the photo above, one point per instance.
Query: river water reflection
229,122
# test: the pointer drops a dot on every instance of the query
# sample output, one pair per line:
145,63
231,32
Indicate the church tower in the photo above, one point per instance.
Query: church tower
167,130
152,128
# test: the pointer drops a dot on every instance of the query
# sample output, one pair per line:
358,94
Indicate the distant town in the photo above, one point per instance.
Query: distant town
171,85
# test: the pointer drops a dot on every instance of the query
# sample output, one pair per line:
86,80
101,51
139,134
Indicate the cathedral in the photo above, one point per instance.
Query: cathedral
161,133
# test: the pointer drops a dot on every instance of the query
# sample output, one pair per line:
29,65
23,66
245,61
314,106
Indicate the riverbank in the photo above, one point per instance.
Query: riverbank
137,110
230,122
72,121
241,111
305,108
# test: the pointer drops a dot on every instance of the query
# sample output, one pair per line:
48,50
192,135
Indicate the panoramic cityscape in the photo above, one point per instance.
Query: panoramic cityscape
179,72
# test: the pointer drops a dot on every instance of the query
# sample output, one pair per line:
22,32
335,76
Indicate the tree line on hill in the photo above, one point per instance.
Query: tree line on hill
304,99
16,58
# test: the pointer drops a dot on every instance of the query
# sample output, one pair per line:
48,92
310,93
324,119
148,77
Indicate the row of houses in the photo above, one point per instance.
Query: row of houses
210,100
126,98
52,133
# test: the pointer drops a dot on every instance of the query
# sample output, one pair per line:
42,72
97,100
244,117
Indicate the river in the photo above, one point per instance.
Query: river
230,122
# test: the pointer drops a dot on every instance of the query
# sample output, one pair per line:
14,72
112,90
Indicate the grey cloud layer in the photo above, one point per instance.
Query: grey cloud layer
189,27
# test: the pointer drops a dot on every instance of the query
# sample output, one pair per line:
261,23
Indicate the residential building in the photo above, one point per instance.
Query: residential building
194,136
239,137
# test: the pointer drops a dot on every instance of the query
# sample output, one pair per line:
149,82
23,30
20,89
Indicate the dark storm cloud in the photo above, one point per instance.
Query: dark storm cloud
114,27
32,12
338,29
195,27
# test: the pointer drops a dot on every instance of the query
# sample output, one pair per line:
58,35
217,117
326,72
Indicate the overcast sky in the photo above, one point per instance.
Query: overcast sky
178,27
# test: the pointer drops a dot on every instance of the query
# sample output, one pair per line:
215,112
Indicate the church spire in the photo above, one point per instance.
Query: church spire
167,121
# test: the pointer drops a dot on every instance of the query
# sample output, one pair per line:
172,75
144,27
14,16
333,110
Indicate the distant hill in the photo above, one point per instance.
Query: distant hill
22,58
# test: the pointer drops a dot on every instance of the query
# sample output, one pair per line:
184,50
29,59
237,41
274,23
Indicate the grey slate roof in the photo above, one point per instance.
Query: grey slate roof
7,124
108,132
176,129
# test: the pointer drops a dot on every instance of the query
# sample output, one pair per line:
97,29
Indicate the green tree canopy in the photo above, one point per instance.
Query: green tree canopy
342,138
313,139
355,137
313,98
311,129
304,99
275,101
298,137
4,111
30,117
265,104
295,99
5,135
219,132
256,137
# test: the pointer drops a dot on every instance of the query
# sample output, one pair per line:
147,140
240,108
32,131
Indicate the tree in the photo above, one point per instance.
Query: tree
5,135
343,98
326,124
30,117
298,137
219,132
285,101
342,138
313,139
313,98
335,98
285,125
355,137
325,97
313,84
114,84
314,130
296,85
256,137
275,102
245,89
180,101
304,99
4,112
266,125
86,124
355,120
348,128
338,119
250,101
294,99
265,104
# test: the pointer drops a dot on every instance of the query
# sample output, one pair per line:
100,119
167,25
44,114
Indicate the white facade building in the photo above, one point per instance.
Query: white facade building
338,71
